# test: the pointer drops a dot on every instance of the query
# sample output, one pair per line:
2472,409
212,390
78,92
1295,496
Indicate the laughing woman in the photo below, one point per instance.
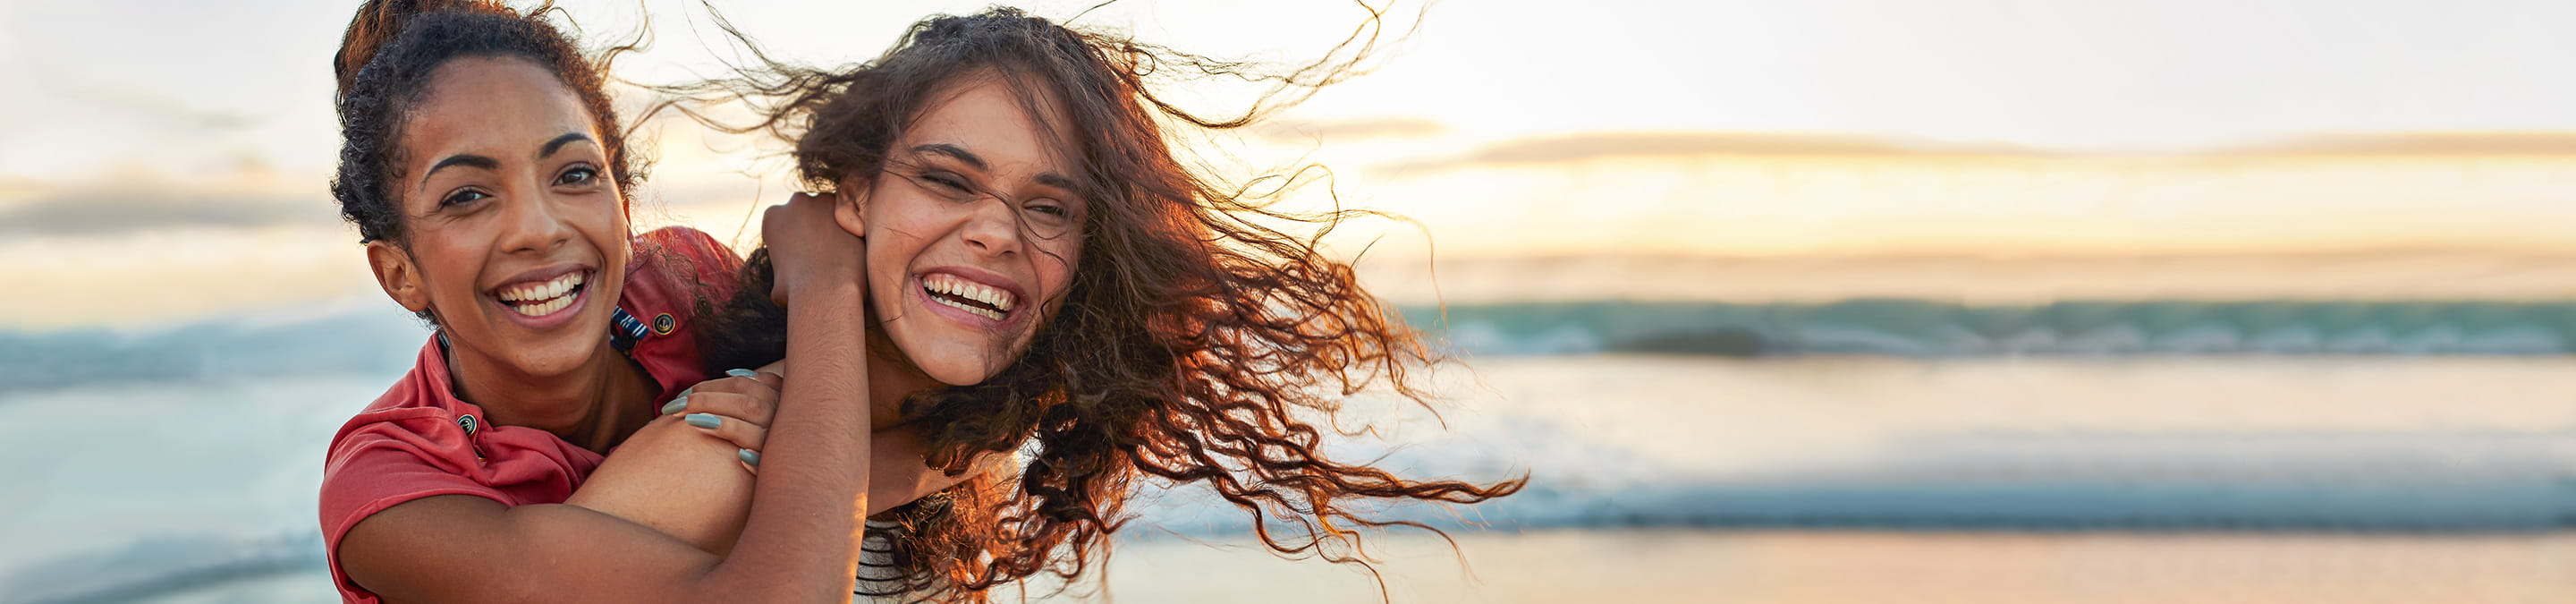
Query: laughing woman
1044,273
487,176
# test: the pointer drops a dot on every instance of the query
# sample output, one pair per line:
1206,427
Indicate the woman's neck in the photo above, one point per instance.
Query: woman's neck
576,405
891,379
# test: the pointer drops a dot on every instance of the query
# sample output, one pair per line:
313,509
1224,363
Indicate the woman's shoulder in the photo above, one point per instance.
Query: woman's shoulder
676,272
419,402
684,255
672,270
404,446
418,440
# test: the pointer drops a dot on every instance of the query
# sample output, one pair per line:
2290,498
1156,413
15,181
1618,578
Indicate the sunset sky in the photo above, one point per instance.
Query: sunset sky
164,161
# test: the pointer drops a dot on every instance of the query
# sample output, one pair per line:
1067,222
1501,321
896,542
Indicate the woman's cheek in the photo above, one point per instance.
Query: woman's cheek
883,278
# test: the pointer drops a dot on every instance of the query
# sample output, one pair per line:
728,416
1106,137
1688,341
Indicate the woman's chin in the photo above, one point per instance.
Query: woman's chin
958,368
945,358
554,360
957,374
558,353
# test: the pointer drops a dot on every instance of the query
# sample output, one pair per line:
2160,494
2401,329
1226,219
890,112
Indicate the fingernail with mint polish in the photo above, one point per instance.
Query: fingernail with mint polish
675,405
704,420
741,372
748,456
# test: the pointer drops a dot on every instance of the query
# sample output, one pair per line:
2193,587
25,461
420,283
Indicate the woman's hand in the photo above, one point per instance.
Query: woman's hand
810,252
736,408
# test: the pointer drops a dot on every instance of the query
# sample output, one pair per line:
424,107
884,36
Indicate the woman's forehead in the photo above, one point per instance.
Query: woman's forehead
493,104
991,117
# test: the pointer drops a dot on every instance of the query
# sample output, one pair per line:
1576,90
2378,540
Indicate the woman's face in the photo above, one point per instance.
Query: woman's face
516,236
973,230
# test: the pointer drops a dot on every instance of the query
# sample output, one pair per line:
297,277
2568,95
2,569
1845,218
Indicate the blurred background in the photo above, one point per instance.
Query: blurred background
1843,301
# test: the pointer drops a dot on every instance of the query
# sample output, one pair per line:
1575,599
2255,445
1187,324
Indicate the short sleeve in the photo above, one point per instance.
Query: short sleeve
383,464
676,269
691,258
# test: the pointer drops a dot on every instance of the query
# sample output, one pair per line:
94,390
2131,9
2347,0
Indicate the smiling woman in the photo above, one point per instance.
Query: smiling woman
964,266
1049,277
487,174
515,274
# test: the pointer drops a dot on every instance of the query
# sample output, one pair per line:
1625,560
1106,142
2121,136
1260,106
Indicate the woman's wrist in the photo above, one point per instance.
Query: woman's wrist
832,293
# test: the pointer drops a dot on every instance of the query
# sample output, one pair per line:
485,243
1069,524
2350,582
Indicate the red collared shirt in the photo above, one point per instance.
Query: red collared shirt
419,440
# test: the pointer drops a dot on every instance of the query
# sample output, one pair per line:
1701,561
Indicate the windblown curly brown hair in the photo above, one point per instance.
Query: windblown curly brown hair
1194,345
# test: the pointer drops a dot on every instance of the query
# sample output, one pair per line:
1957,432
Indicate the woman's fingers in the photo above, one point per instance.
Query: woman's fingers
770,222
742,407
807,245
773,380
742,434
742,393
743,381
735,408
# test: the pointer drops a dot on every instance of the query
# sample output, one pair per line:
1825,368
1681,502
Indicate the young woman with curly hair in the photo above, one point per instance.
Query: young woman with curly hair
1044,274
487,175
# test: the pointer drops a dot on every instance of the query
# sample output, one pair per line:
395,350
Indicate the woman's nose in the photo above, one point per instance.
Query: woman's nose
993,228
535,224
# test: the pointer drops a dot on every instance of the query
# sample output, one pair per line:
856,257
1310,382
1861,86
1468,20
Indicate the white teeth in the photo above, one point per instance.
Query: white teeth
540,291
981,312
543,308
551,291
562,284
960,287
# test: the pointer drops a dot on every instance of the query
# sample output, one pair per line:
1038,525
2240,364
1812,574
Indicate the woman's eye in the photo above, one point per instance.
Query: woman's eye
948,183
1051,209
577,176
462,197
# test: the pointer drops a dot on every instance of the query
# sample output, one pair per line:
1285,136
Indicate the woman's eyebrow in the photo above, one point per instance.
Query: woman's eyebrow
485,162
558,143
1058,181
1047,178
461,159
953,151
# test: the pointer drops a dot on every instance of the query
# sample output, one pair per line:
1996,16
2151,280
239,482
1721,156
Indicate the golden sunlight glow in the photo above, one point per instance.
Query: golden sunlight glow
1503,129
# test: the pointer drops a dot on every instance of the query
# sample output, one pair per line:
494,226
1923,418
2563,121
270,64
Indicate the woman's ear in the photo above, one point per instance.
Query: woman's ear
397,275
848,201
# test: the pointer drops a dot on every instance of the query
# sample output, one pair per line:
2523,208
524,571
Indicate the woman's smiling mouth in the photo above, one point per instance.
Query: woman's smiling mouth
543,298
957,292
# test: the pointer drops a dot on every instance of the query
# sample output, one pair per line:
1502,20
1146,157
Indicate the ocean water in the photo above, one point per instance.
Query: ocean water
1874,567
1910,327
1783,567
1672,475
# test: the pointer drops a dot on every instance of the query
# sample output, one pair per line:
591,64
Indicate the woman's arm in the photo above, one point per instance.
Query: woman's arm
799,544
687,482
